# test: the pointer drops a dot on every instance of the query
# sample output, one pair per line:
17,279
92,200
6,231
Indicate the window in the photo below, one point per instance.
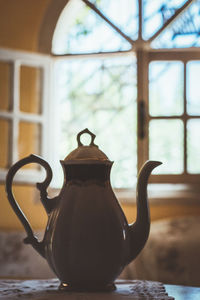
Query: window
171,137
128,71
24,111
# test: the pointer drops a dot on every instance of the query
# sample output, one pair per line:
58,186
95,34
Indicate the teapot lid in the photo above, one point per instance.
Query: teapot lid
86,153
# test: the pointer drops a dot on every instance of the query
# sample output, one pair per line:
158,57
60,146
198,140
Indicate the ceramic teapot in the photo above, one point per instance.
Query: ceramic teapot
87,241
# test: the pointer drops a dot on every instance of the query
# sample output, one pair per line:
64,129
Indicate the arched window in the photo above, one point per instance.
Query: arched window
128,70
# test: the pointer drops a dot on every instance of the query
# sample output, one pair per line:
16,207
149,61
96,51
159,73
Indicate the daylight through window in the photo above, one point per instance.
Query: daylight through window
128,71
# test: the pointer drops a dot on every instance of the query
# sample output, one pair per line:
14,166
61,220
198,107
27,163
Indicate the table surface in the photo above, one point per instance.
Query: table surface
126,289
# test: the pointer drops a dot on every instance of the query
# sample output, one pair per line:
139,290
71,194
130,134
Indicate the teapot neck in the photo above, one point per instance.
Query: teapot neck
87,172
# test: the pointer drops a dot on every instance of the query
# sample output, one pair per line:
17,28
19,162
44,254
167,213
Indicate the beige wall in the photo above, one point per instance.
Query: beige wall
20,22
20,25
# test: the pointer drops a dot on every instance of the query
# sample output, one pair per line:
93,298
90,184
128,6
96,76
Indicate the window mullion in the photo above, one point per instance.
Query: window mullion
140,20
171,20
97,11
46,124
142,98
15,103
185,121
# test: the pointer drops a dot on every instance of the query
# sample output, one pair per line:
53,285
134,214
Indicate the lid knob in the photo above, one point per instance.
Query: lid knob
86,130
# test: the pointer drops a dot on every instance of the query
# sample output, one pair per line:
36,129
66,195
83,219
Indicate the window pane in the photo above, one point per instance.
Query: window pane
101,95
184,30
123,13
156,13
193,88
166,145
81,30
5,86
193,146
166,88
29,140
4,143
30,89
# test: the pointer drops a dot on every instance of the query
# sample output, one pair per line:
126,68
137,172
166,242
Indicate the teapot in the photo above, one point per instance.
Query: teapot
87,241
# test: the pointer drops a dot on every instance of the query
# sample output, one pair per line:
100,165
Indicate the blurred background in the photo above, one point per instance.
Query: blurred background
127,70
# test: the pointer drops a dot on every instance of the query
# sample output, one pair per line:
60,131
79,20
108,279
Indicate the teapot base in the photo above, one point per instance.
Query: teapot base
87,288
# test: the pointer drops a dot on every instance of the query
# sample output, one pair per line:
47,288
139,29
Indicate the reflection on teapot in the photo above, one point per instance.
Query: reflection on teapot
87,241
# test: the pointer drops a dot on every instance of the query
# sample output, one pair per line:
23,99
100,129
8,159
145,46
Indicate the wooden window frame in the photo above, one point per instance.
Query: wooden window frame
144,59
18,59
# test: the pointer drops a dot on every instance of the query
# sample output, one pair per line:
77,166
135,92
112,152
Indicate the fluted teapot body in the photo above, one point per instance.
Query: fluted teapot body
88,240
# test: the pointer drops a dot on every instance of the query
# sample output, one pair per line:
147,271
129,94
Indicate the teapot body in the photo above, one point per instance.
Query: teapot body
87,237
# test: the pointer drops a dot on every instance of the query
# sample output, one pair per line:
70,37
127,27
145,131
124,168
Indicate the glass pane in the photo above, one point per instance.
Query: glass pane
122,13
166,87
4,143
184,31
156,13
29,140
101,95
81,30
5,86
166,145
30,89
193,88
193,146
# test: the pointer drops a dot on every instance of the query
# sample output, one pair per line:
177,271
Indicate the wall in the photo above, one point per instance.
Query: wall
20,25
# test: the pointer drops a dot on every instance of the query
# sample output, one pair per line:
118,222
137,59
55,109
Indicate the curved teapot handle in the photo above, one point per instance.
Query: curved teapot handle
30,239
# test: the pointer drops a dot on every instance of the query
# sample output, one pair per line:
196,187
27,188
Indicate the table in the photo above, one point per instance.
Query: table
126,290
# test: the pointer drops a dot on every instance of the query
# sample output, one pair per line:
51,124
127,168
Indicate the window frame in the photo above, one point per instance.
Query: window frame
18,59
184,56
145,54
144,58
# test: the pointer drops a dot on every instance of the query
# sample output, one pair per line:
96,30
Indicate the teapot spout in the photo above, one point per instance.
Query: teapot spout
139,231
